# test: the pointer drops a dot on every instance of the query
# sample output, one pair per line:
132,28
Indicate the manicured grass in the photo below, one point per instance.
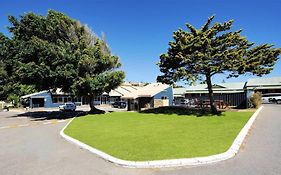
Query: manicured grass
141,137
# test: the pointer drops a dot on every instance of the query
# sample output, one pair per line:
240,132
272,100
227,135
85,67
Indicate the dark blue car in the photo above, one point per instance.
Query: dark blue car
119,104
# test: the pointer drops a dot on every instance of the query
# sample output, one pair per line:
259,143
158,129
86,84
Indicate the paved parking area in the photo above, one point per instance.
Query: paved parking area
17,119
29,124
40,150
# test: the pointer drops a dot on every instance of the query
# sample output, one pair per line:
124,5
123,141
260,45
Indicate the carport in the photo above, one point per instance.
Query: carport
37,101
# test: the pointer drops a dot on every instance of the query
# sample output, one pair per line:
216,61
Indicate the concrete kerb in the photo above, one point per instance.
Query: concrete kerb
231,152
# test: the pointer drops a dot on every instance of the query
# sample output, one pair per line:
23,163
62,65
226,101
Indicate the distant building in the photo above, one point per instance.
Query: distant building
264,85
49,98
155,94
179,95
150,96
231,93
139,95
116,94
234,94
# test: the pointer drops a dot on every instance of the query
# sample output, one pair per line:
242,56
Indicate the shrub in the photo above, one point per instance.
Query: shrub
14,99
180,110
256,99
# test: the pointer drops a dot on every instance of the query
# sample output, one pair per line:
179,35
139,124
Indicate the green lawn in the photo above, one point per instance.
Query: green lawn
140,137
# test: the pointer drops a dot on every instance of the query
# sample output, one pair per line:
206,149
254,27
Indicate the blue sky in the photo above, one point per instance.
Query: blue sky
139,31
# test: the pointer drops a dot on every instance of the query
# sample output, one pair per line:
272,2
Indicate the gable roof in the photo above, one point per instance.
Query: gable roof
259,82
119,91
34,94
235,87
123,89
149,90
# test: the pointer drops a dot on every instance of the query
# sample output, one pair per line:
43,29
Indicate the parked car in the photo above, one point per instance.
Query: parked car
271,98
67,107
185,102
119,104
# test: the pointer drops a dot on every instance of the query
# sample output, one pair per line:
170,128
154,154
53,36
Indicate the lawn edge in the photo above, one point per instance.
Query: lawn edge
231,152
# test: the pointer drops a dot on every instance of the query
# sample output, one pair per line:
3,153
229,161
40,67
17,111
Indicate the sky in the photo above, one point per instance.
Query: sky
139,31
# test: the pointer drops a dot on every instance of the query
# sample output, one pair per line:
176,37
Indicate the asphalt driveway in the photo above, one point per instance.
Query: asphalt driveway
38,149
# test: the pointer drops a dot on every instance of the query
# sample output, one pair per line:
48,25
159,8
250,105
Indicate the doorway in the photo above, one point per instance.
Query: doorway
37,102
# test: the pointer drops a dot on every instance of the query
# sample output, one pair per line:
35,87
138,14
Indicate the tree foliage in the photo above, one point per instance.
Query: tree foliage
199,54
256,100
55,51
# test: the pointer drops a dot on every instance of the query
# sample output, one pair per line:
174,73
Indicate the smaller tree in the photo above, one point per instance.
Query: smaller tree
199,54
97,73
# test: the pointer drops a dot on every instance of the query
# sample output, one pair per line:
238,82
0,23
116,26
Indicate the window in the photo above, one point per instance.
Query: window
60,100
77,99
55,99
164,97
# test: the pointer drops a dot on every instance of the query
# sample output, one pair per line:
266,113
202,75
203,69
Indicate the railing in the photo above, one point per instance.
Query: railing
206,104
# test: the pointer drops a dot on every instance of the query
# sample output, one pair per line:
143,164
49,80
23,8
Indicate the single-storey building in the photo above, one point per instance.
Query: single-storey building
150,96
116,94
263,85
139,96
179,95
49,98
233,94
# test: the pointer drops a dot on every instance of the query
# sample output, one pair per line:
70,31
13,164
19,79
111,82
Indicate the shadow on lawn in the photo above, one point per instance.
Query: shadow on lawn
48,115
179,110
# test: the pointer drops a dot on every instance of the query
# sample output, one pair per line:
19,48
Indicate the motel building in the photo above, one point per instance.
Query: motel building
231,94
137,96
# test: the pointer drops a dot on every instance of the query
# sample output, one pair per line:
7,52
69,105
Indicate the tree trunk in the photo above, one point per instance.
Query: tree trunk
92,106
211,95
93,109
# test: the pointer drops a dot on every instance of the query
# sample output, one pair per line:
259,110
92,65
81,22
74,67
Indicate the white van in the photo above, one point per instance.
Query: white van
271,98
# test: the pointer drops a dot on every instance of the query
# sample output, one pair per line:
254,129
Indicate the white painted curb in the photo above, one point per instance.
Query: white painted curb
231,152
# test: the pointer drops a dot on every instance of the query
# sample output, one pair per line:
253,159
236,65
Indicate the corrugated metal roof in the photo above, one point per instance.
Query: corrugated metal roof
264,87
179,91
257,82
235,87
232,86
219,86
179,95
123,89
33,94
215,92
147,91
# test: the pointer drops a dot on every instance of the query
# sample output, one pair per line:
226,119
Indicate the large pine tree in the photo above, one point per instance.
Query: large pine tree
199,54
